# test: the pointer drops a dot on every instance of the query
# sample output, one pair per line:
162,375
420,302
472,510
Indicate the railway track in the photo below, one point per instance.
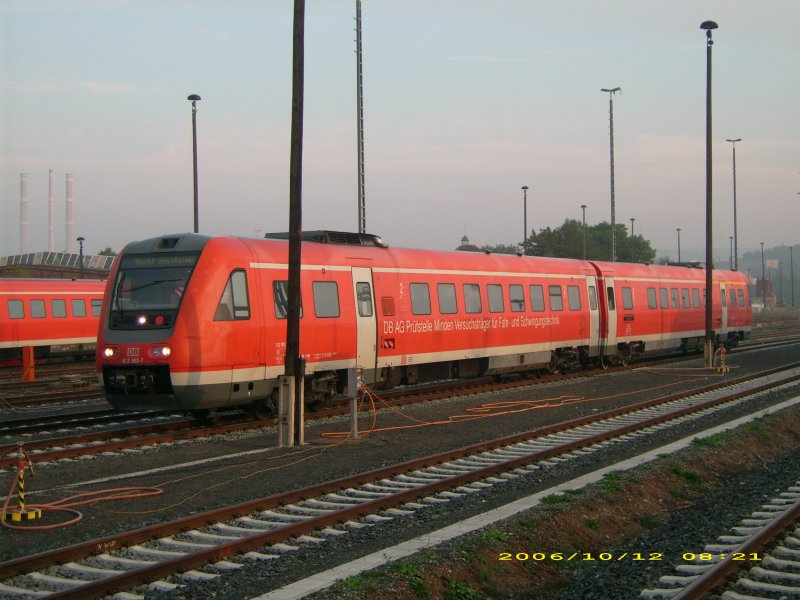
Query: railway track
743,557
43,446
202,546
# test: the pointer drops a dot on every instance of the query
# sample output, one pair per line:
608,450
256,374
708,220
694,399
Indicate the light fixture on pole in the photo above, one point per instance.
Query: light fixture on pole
195,98
735,266
632,221
611,93
583,207
709,26
525,219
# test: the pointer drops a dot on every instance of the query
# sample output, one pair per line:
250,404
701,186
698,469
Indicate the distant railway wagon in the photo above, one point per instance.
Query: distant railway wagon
194,322
58,317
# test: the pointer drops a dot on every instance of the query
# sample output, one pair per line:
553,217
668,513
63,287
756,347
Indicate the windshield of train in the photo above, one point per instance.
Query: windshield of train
149,284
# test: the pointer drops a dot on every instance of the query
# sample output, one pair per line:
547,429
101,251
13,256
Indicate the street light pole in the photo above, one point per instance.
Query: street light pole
763,279
194,98
525,219
611,93
731,261
709,26
583,207
632,220
679,243
80,241
735,227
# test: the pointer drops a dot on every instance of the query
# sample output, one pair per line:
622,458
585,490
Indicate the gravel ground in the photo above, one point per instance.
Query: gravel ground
322,463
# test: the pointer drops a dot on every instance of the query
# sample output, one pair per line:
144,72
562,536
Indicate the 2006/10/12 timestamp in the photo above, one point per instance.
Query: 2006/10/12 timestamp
632,556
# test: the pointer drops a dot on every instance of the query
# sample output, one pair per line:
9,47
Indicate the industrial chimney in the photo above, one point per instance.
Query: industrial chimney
70,222
23,213
51,245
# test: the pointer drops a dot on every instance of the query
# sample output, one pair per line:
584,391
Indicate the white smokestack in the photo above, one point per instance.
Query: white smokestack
70,222
51,245
23,213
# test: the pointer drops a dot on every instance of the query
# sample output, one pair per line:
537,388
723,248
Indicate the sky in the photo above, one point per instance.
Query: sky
465,102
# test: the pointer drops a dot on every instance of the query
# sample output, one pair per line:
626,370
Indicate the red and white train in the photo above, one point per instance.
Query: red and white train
58,317
193,322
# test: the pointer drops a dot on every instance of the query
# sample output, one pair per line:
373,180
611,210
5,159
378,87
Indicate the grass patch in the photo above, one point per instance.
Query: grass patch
711,441
489,536
611,482
556,499
455,590
416,579
650,522
693,478
592,524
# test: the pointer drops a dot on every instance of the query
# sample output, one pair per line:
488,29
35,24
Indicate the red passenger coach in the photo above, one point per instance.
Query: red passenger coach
193,322
57,317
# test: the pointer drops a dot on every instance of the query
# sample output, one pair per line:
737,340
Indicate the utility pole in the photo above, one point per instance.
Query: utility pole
294,364
362,200
611,93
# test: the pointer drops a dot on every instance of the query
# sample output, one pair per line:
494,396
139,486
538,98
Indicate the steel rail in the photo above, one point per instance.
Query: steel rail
719,573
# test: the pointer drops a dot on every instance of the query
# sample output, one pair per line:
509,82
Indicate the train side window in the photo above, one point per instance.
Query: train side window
627,298
664,297
695,298
733,297
592,297
574,297
420,299
326,299
676,298
234,305
364,298
495,293
16,309
37,309
612,305
685,297
556,299
97,307
472,298
652,299
447,298
537,298
516,297
58,308
78,307
722,299
280,295
740,293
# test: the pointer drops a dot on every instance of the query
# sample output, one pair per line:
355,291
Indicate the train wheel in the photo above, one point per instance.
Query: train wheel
263,408
200,414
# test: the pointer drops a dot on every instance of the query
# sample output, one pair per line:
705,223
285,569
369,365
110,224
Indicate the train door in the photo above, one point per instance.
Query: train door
367,333
594,316
723,326
611,310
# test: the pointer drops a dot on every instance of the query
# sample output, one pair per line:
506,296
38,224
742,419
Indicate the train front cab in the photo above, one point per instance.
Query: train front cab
145,291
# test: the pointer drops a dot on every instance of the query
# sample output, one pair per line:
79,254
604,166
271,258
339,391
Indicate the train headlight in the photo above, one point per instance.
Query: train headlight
141,320
160,351
110,351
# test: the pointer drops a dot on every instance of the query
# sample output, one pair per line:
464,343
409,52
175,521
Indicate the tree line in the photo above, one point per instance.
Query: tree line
567,241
